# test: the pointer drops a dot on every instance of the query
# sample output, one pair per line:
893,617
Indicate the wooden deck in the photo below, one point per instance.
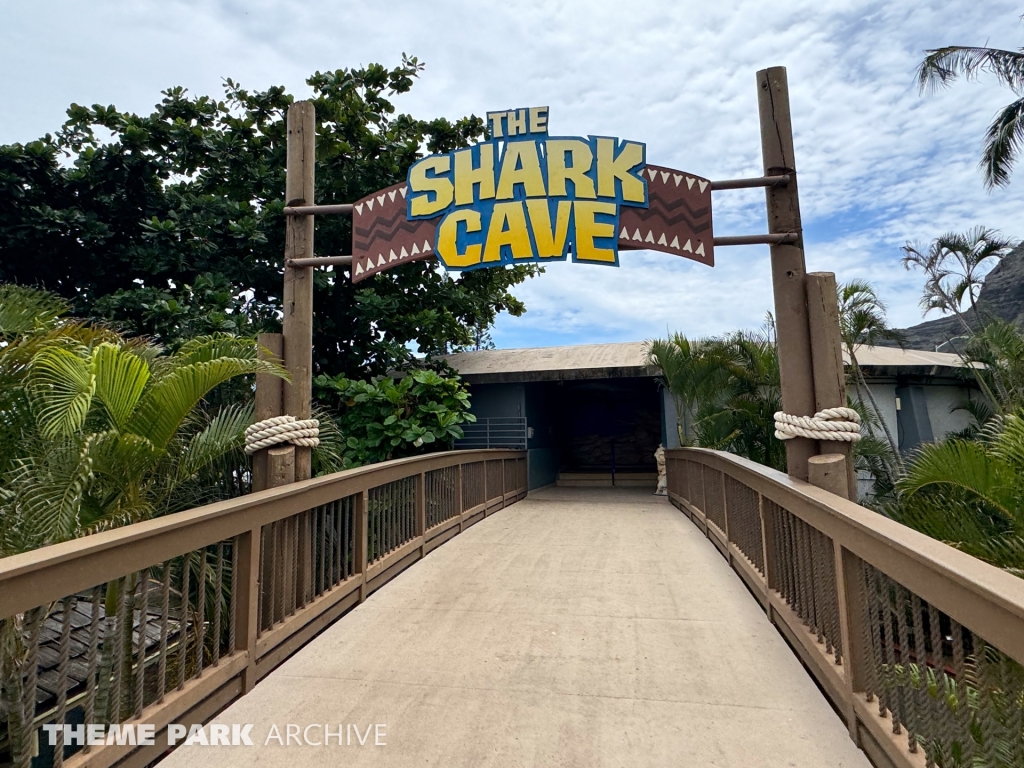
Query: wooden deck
580,627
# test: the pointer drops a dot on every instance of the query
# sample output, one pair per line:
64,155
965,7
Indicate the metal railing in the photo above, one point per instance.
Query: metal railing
494,432
919,646
170,620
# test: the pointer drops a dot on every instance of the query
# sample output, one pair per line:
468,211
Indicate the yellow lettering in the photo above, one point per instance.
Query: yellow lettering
447,235
611,167
581,160
588,228
515,119
467,176
520,165
550,241
538,119
495,118
421,185
508,227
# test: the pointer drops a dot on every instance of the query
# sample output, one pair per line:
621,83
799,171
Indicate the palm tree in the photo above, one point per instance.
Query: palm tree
730,387
1005,136
955,266
689,370
116,435
862,322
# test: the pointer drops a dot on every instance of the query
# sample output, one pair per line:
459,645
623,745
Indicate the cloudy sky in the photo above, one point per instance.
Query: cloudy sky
879,163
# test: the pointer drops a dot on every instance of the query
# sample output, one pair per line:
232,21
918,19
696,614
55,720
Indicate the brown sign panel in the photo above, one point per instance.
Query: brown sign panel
677,218
382,236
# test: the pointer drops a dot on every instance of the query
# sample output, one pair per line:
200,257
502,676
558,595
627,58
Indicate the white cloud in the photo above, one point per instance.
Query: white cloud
878,163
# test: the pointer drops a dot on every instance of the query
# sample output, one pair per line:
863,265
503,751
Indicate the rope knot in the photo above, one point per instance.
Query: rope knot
839,424
282,429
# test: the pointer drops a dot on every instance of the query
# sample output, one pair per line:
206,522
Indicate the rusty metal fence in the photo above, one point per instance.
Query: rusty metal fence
919,646
170,620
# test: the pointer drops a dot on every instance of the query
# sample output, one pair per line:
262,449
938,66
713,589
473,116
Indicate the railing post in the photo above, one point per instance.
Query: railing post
247,594
852,610
361,515
504,485
767,553
421,511
459,504
725,518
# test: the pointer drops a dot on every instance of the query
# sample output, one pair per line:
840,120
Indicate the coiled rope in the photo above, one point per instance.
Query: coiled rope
840,424
282,429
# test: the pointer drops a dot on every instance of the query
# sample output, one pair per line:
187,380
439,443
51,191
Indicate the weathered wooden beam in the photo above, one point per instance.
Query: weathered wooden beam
269,401
827,360
298,281
788,270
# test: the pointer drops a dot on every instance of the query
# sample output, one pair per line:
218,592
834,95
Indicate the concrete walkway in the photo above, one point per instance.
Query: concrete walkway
580,627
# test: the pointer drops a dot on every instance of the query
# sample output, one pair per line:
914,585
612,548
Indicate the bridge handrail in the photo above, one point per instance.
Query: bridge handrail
116,623
887,620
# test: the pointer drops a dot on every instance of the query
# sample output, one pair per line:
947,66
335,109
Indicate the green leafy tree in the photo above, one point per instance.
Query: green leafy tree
172,222
387,418
1005,136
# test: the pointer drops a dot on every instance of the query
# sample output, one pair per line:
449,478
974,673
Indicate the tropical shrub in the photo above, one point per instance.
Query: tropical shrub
970,493
388,418
103,431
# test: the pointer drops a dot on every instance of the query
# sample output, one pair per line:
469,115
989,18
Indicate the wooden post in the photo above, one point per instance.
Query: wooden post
247,600
361,537
788,270
852,610
298,281
269,402
421,511
828,472
827,360
281,465
459,504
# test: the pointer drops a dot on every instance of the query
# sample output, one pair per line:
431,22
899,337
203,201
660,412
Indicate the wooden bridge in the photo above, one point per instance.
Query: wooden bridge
748,620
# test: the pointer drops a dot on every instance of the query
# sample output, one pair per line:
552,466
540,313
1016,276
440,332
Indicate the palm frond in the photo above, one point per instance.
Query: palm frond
967,466
46,491
942,66
61,385
1004,141
224,433
121,377
24,310
171,396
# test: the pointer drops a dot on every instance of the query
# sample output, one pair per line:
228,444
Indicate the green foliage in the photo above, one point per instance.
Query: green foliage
976,722
970,493
729,386
170,225
105,431
386,418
